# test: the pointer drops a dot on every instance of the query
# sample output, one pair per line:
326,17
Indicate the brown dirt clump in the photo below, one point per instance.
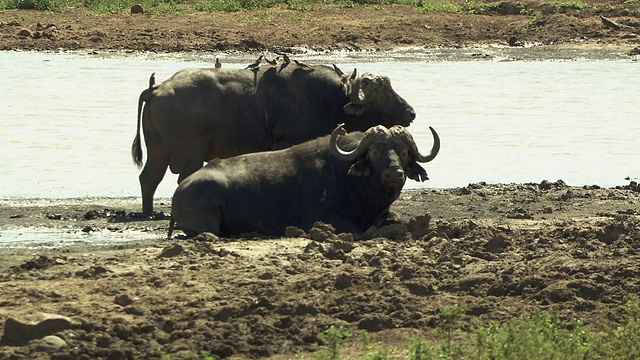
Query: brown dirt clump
324,27
503,250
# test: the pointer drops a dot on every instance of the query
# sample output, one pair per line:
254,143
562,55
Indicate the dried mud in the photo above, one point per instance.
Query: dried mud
503,250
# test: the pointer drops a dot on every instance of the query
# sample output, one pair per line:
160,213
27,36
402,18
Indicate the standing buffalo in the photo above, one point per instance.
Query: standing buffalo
350,185
201,114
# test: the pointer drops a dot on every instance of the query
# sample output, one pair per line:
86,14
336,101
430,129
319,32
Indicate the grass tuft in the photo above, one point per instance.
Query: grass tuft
539,336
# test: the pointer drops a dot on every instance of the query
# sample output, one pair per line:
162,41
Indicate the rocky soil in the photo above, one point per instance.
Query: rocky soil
502,250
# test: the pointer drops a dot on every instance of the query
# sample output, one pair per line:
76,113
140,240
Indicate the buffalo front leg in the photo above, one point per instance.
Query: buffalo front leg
339,223
151,176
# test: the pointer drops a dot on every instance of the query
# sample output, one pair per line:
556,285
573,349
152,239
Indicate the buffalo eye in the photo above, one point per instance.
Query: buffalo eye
374,154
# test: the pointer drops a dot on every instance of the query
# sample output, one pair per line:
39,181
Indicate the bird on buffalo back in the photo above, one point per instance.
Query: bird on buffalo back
273,62
301,64
255,64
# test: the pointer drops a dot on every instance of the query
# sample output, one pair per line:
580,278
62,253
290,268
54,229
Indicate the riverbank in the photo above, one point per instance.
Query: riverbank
327,27
502,250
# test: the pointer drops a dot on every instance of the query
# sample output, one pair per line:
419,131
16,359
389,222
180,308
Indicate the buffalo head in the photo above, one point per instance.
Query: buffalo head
372,97
391,154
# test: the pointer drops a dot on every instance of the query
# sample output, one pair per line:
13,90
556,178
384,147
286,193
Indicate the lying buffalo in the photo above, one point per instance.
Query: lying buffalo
201,114
350,185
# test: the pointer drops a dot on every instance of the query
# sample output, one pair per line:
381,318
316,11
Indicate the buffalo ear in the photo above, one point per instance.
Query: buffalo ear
360,167
416,172
353,109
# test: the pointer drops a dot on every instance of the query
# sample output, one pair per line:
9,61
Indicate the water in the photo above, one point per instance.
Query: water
68,120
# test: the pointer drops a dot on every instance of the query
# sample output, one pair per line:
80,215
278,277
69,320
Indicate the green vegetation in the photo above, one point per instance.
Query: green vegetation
481,7
332,339
628,7
439,6
572,4
540,335
633,5
180,6
50,5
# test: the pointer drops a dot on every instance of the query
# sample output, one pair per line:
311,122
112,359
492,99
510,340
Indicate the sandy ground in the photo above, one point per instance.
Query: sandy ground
503,250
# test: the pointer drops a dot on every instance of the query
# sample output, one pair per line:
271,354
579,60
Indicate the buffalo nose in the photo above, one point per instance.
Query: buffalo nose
395,175
412,114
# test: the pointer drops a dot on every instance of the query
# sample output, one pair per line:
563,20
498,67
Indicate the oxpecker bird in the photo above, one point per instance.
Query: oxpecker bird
301,64
285,60
338,71
152,80
218,63
273,62
255,64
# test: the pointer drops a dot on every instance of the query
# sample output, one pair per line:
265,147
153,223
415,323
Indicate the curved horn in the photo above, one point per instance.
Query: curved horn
413,148
354,74
354,96
363,93
434,149
347,156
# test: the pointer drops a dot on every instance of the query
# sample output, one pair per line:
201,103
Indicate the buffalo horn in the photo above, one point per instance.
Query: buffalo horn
367,94
354,74
413,148
348,156
355,92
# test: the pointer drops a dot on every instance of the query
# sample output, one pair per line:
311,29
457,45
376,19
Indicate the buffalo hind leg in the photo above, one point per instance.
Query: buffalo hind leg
151,176
209,222
197,208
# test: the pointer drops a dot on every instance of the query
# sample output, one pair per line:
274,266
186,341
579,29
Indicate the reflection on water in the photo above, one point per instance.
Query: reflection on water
68,120
41,238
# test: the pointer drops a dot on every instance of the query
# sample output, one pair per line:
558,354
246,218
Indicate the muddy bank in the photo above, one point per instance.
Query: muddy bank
503,250
325,28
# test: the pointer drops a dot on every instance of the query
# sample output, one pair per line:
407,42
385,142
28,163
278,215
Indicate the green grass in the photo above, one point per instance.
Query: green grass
44,5
179,6
562,6
538,336
439,6
331,340
573,4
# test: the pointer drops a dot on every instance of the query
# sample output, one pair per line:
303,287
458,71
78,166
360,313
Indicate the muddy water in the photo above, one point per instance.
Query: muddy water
68,119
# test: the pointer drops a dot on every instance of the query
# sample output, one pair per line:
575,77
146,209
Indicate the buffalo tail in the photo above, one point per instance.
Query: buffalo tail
136,146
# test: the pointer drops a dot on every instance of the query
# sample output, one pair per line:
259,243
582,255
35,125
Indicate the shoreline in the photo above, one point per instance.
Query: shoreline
436,53
87,222
631,184
323,28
